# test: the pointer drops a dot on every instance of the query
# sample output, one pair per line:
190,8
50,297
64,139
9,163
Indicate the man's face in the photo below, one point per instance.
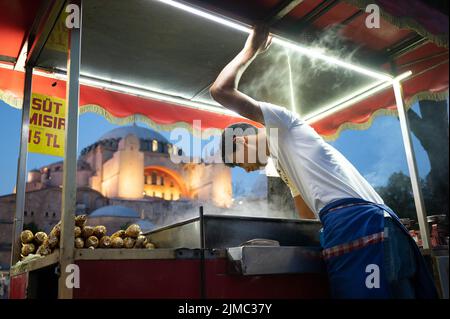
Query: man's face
247,155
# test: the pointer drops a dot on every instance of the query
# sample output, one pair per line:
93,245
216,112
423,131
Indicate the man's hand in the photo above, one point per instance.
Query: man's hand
259,40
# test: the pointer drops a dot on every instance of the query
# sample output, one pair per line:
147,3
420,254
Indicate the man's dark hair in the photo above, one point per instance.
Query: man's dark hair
232,131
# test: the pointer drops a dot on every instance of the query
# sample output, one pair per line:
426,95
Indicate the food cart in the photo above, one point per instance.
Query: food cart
146,60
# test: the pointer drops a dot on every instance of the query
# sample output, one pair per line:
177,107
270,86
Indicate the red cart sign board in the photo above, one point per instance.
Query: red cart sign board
47,125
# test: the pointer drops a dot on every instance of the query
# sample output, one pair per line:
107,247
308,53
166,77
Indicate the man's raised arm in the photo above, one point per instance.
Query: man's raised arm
225,88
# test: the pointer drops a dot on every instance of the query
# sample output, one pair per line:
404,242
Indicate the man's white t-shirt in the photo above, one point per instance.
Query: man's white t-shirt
311,167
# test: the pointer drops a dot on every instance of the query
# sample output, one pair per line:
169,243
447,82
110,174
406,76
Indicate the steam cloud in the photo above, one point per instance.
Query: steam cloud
314,81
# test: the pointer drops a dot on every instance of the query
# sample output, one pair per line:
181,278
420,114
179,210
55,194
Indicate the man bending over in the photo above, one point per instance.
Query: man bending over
368,252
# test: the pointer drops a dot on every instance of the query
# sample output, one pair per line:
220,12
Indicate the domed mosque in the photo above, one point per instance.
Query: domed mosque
128,176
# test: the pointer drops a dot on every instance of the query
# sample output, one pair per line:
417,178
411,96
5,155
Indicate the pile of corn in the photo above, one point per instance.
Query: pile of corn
85,237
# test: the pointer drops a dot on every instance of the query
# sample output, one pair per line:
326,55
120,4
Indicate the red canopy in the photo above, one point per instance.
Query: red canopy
402,23
115,106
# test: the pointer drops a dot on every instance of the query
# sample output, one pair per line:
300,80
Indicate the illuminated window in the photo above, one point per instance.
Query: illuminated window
171,196
154,145
171,184
169,149
162,195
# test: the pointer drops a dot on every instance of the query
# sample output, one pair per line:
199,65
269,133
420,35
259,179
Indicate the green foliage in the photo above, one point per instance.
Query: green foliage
398,195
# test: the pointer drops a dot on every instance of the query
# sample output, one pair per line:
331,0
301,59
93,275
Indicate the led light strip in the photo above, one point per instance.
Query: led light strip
163,97
209,16
339,102
7,66
361,95
313,53
132,89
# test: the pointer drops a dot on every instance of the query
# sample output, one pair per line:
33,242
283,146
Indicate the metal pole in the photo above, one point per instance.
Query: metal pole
21,181
69,191
412,166
202,255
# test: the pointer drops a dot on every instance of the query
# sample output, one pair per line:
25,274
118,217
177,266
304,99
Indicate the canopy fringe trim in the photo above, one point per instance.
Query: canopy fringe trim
424,95
440,40
97,109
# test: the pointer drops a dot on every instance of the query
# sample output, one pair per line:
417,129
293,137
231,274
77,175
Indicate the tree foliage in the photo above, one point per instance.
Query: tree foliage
431,129
398,195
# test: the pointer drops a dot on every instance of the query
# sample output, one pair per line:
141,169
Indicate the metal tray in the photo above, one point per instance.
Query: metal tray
220,231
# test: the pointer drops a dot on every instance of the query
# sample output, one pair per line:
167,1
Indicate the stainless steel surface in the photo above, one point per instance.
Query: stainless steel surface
21,178
231,231
265,260
69,190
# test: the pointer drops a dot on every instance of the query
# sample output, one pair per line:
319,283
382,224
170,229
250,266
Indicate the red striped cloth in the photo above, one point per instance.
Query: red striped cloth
359,243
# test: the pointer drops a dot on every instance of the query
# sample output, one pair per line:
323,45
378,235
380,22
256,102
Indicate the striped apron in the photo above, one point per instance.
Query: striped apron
352,240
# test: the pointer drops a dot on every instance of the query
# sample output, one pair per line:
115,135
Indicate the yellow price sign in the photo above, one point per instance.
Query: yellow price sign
47,125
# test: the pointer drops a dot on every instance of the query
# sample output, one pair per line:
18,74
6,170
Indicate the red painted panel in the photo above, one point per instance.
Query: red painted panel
292,286
180,279
18,286
138,279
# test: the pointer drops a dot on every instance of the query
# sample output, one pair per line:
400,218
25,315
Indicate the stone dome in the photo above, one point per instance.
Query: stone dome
140,132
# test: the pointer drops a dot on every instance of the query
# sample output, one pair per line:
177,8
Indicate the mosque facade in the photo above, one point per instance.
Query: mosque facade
126,176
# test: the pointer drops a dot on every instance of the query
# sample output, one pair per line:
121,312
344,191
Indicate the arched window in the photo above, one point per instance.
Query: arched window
154,145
